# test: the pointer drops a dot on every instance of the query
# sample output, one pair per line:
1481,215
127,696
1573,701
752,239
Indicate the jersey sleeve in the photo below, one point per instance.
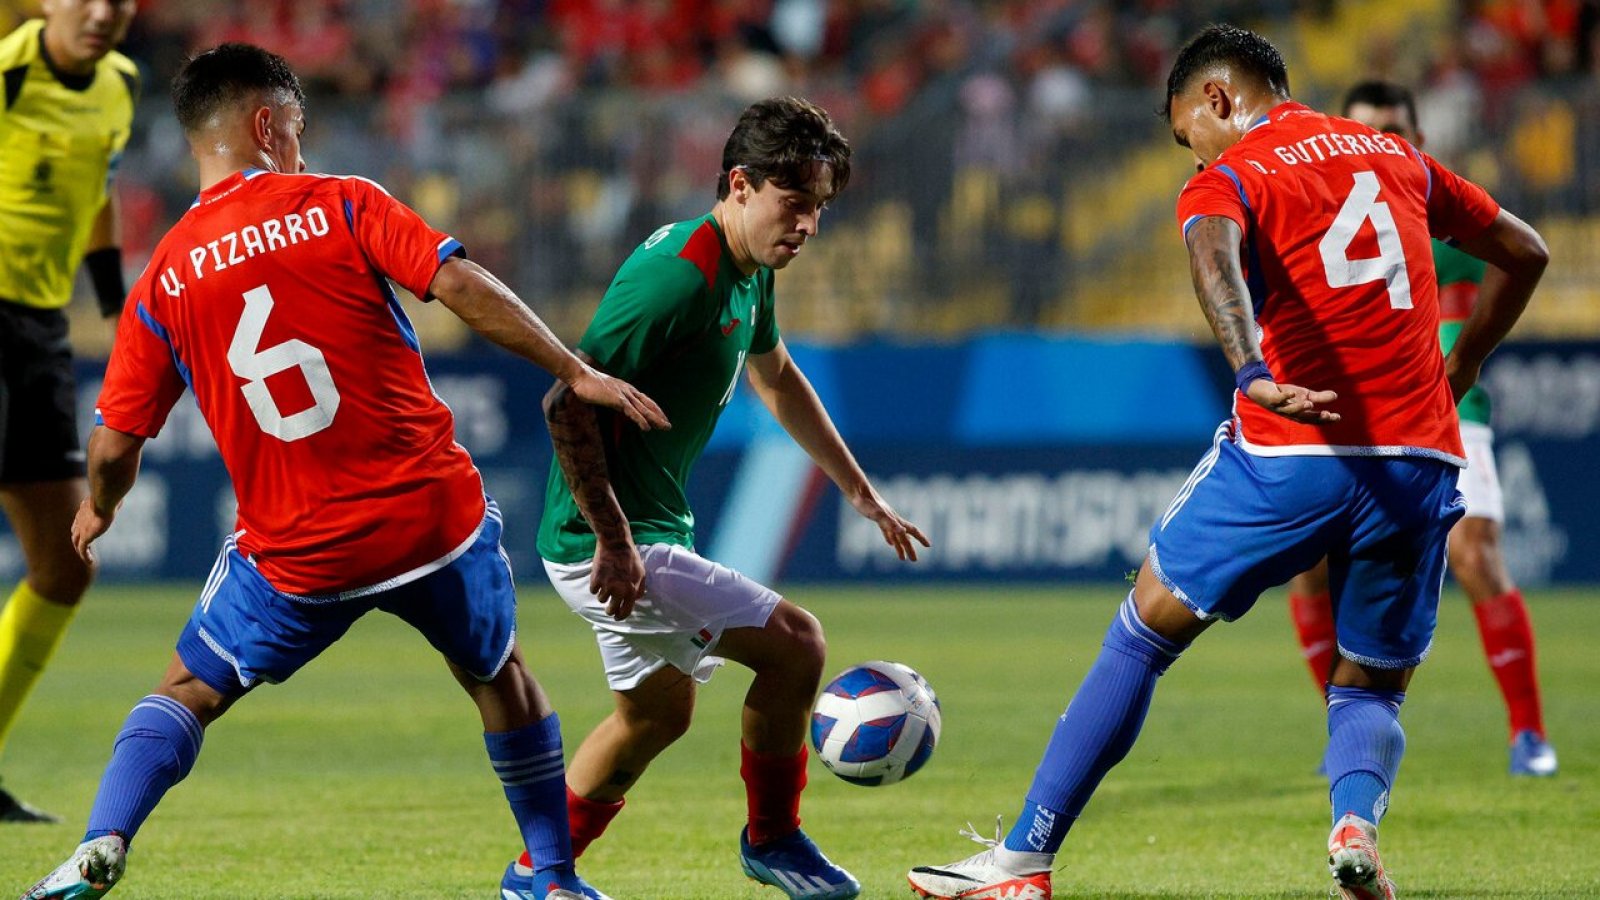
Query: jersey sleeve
395,239
765,339
1214,192
144,378
652,304
1457,208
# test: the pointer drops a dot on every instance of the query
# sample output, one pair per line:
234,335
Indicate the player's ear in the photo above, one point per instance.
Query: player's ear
1217,99
261,127
738,184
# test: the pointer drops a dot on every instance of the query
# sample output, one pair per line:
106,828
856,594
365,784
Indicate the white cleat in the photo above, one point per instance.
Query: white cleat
1353,861
92,871
994,874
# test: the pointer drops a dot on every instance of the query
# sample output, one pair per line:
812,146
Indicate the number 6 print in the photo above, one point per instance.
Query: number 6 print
1389,265
256,366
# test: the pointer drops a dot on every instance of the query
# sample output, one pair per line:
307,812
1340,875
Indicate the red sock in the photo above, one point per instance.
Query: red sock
587,820
1507,635
772,783
1313,624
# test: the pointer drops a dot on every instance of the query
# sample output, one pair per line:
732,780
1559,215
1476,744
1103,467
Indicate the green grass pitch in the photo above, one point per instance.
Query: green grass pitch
365,776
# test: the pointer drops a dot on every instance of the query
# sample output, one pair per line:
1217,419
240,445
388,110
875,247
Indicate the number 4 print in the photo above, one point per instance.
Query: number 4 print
256,366
1388,266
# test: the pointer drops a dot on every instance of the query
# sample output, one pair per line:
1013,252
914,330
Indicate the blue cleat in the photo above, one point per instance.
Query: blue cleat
92,870
1532,755
795,866
519,883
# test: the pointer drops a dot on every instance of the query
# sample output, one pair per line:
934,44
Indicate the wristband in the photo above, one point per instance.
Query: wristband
105,273
1250,372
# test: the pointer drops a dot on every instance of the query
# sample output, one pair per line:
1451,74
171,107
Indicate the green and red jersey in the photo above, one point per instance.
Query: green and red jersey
1460,275
678,321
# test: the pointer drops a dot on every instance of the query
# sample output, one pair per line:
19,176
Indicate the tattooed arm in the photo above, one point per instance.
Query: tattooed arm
617,579
1219,283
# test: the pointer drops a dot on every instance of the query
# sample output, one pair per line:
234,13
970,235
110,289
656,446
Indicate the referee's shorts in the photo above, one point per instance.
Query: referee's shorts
38,397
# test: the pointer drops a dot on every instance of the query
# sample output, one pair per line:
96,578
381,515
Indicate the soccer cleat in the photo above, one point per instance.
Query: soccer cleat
518,884
14,810
982,877
1353,861
794,865
92,871
1532,755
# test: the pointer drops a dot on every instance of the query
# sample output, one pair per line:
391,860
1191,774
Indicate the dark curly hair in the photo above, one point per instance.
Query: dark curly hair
781,140
226,74
1239,48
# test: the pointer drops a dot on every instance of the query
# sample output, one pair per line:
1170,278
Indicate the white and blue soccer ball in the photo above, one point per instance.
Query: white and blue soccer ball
875,724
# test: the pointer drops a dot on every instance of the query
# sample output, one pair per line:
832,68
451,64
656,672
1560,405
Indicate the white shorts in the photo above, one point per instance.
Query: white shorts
1480,481
688,602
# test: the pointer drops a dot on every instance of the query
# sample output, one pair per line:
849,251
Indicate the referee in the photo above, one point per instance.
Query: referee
68,106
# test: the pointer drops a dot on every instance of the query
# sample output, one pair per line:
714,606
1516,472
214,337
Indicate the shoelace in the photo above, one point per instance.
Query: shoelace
971,833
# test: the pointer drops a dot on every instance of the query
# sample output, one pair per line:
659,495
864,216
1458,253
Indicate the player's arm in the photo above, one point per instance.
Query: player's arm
617,579
788,395
492,310
1517,257
1219,283
113,467
103,260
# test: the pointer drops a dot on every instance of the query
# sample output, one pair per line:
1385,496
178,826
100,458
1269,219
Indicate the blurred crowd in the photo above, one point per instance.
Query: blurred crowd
551,135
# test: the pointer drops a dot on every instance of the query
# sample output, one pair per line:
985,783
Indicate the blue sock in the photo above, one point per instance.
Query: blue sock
1365,743
529,764
154,751
1096,731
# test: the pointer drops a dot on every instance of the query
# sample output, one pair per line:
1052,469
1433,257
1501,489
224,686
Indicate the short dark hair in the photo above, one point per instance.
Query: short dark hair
226,74
1239,48
780,140
1384,95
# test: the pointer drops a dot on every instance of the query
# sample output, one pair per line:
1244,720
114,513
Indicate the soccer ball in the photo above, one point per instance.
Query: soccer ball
875,724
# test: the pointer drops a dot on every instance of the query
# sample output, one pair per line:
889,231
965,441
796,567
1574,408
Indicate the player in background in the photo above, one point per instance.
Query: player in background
1308,243
270,300
690,309
1474,549
67,109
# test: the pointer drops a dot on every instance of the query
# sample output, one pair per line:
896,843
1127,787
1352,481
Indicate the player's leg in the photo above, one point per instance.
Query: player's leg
1208,560
156,749
1385,581
468,611
1504,625
1312,613
36,616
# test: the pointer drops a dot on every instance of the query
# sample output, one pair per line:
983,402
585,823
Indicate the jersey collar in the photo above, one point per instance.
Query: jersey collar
226,186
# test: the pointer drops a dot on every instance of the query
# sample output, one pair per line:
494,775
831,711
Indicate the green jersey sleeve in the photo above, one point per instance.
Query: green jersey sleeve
765,338
654,303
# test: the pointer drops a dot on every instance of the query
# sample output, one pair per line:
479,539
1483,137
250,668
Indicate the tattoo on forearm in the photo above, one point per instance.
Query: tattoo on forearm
622,778
1219,283
575,432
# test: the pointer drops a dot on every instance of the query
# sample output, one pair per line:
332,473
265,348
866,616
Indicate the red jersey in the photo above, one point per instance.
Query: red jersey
270,300
1336,220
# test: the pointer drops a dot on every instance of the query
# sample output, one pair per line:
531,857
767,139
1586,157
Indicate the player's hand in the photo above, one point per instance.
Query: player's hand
617,580
600,389
898,532
88,525
1461,376
1293,402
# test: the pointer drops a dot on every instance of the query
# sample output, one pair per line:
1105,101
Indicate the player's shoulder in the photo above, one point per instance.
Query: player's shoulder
684,254
21,46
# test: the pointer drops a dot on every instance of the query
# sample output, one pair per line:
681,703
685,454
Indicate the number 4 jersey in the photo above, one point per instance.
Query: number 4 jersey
1336,220
270,299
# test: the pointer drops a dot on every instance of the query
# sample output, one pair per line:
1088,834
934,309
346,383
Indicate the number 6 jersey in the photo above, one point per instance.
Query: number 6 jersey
1336,220
270,299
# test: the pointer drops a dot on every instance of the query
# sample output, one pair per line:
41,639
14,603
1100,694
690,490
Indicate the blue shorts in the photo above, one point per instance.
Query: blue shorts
1242,524
244,631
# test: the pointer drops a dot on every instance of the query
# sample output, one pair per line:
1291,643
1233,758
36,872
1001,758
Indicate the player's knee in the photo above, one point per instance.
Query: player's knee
63,579
805,649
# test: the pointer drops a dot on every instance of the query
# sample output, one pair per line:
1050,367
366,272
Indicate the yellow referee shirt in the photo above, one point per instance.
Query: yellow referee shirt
60,138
